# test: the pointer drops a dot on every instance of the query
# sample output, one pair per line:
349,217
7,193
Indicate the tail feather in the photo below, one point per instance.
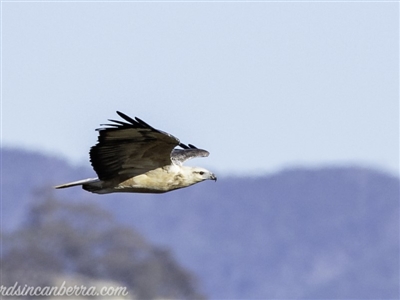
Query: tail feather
75,183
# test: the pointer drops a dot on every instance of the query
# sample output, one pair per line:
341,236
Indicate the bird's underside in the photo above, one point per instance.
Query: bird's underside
134,157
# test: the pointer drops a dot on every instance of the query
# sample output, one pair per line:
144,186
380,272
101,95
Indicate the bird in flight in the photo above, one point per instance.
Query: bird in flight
133,157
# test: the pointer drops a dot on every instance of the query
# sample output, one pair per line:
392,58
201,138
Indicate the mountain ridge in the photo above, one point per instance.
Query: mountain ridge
326,232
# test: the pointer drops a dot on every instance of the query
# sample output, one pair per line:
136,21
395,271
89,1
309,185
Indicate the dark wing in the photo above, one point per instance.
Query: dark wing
178,156
127,149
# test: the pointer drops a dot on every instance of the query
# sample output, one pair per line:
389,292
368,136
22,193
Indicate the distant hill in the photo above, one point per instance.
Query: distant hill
301,233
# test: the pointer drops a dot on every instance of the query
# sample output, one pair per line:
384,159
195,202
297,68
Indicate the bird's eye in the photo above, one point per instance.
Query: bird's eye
201,173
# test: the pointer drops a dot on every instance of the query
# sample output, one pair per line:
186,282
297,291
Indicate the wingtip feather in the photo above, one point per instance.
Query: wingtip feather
126,118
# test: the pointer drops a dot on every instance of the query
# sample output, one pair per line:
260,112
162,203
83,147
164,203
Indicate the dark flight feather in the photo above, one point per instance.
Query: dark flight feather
132,147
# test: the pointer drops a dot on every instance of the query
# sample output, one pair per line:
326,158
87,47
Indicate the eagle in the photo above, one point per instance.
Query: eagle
133,157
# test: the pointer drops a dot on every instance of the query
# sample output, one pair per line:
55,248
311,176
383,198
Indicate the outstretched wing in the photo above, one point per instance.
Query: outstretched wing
127,149
178,156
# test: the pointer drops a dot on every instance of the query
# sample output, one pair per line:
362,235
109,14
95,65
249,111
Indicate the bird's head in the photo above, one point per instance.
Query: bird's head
201,174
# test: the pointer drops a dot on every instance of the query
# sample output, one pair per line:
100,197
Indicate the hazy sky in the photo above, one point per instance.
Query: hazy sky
262,85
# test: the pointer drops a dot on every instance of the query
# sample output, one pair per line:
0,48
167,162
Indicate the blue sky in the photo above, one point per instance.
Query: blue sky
263,86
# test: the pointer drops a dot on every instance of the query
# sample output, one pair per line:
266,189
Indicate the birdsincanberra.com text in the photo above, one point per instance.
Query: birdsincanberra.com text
63,290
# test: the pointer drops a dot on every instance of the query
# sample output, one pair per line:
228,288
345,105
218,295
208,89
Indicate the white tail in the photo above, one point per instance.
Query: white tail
75,183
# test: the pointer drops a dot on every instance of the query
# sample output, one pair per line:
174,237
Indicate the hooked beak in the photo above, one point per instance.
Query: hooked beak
213,177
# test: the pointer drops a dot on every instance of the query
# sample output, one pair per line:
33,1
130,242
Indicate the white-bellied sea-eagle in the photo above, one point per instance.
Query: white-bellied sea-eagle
132,156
